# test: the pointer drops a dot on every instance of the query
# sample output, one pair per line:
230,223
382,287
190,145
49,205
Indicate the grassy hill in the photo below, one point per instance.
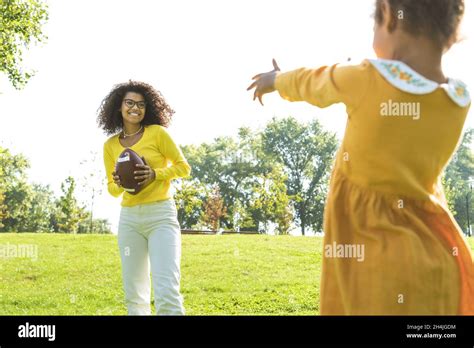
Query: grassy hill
229,274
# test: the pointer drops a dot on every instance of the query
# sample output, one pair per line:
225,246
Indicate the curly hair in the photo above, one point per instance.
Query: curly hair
437,20
109,113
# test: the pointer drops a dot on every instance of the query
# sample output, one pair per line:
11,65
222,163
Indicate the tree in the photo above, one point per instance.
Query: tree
3,207
41,209
214,209
242,217
306,152
189,198
92,182
26,207
101,226
271,202
231,164
457,181
18,198
239,167
211,165
21,24
68,214
16,192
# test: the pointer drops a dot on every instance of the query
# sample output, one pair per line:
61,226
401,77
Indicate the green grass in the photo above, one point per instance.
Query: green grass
229,274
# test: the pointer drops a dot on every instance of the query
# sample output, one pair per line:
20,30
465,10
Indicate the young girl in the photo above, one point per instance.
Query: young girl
405,119
148,232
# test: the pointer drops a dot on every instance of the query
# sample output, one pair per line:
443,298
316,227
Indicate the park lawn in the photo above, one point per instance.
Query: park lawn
221,275
228,274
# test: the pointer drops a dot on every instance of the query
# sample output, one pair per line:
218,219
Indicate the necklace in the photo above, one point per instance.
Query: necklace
129,135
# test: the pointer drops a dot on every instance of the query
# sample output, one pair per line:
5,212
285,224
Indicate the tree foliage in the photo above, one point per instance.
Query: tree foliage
41,210
231,164
271,203
31,207
306,152
15,190
68,213
458,181
268,176
21,23
214,209
189,199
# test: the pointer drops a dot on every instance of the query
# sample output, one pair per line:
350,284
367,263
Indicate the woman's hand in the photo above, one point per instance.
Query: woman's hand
145,173
264,82
116,178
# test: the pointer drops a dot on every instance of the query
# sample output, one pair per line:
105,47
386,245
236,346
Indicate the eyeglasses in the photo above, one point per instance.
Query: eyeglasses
131,103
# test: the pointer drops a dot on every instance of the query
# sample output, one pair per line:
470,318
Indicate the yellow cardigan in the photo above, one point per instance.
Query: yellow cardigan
159,151
385,198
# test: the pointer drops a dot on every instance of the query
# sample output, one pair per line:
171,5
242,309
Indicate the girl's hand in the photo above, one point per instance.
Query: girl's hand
264,82
116,178
144,173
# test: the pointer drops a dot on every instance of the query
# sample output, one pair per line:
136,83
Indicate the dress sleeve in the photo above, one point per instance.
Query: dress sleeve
109,164
326,85
179,166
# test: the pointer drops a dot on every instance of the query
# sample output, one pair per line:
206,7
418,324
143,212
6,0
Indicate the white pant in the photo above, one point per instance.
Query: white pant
149,234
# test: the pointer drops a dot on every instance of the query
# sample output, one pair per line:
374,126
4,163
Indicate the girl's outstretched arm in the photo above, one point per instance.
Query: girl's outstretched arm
324,86
264,82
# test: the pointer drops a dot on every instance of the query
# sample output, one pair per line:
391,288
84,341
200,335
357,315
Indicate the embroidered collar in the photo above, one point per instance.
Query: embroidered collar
400,75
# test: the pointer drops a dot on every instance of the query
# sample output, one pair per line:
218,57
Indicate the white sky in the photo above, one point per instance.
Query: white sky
199,54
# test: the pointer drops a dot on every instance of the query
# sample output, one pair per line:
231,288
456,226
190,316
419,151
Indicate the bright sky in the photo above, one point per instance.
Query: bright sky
199,54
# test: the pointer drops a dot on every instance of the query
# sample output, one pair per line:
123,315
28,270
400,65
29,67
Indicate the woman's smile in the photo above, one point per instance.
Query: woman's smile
133,110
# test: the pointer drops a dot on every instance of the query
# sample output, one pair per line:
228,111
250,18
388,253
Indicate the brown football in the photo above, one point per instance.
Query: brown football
124,168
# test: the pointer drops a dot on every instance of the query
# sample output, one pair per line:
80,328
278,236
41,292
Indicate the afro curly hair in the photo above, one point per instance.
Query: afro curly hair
109,113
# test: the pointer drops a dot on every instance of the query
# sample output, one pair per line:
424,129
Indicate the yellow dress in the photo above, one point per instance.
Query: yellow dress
391,246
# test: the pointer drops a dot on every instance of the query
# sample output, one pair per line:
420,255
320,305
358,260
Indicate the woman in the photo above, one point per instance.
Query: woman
148,232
